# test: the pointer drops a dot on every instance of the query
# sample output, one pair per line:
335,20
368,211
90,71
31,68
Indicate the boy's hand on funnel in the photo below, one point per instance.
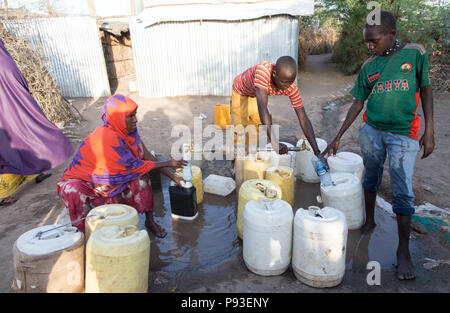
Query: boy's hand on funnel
332,148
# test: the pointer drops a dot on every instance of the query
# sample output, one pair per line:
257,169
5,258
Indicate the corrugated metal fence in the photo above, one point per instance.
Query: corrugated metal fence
202,58
72,50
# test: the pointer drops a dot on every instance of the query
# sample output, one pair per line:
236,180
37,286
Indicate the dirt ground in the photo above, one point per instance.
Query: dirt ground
326,99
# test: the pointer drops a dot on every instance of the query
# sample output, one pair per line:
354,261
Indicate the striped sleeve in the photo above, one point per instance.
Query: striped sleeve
294,95
417,47
262,77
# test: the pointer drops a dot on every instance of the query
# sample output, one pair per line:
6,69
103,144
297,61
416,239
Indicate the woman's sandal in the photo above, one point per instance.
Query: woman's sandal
41,177
161,233
7,201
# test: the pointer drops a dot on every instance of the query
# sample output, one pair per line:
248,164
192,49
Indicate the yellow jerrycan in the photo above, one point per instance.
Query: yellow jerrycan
254,189
284,177
255,165
117,260
222,115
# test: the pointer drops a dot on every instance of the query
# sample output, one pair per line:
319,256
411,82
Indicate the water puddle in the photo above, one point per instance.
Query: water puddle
207,240
379,245
211,238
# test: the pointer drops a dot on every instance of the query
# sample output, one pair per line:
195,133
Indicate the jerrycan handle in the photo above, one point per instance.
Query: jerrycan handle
281,173
340,181
268,192
40,233
259,157
118,213
260,187
126,231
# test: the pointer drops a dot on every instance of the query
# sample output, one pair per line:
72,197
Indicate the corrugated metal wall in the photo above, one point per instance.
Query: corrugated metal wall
72,50
202,58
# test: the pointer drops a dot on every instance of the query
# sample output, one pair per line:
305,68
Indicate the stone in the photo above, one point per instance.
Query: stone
419,227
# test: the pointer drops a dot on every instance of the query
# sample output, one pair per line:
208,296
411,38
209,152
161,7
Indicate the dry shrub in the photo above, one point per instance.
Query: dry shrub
319,41
302,53
439,69
41,83
439,77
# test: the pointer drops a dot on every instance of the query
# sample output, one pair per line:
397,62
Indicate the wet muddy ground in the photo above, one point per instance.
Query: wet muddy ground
196,244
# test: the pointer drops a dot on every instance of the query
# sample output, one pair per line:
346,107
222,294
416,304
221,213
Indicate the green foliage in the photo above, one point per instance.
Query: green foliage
420,21
322,18
318,33
350,51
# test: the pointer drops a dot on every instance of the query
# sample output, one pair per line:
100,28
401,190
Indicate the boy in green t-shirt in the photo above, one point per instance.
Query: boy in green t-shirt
392,80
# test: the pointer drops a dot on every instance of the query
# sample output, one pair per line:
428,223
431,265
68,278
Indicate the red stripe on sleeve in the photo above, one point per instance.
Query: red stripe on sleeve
294,95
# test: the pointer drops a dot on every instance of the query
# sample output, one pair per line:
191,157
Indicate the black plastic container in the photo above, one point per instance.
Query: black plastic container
183,202
155,179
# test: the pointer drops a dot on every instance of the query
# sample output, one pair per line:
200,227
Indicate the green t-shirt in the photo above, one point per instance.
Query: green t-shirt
392,84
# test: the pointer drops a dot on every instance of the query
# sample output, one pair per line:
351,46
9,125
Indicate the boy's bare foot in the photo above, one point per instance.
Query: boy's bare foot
369,204
156,229
405,268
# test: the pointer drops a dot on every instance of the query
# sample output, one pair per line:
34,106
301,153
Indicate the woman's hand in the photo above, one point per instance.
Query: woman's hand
170,163
177,163
178,180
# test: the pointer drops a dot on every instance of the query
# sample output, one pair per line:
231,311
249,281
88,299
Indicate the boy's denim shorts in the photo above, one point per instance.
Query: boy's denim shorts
401,151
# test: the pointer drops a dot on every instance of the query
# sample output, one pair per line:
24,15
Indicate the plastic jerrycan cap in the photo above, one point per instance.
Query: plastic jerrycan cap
187,184
315,210
267,204
270,193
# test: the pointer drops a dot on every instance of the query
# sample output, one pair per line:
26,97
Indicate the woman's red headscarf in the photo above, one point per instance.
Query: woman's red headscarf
110,155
